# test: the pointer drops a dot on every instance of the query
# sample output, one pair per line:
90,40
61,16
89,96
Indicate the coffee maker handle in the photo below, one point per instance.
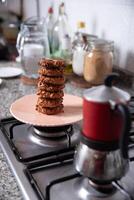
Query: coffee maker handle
123,109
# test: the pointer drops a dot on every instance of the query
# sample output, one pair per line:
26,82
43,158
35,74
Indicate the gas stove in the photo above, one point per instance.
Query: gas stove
26,146
41,159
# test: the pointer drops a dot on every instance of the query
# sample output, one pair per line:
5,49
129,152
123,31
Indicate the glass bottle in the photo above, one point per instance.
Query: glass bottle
66,53
60,30
78,36
32,44
99,61
50,24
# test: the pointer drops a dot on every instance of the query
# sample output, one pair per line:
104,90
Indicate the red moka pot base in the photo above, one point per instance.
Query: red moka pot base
100,122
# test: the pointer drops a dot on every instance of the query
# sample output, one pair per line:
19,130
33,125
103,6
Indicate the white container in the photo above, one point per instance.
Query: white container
78,61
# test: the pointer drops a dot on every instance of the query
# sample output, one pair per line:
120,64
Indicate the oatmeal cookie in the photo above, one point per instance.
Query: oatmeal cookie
50,95
50,87
58,63
46,102
51,71
50,111
55,80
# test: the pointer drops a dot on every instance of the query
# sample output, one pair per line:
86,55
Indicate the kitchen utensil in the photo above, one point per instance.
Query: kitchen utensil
23,109
102,154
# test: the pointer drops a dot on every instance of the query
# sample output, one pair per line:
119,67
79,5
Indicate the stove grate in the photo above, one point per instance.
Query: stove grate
12,128
53,163
10,138
9,135
62,159
122,189
57,181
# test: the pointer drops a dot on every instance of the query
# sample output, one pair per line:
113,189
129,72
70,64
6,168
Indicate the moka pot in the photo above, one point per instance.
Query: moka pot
102,154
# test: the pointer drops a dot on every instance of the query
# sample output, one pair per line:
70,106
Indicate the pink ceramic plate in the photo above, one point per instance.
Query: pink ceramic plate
23,109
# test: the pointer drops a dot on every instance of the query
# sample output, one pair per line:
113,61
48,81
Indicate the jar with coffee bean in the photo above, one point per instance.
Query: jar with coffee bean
98,61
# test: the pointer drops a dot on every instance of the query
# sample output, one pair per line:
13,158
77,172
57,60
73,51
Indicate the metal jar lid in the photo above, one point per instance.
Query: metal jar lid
102,45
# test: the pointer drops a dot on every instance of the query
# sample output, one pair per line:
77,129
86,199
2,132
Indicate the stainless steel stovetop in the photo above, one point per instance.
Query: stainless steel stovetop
24,148
44,167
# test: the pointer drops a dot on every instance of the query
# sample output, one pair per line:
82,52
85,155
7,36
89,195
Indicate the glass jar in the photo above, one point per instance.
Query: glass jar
99,61
32,44
81,46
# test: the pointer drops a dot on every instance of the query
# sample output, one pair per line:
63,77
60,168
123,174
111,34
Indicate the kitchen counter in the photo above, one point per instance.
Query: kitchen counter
10,90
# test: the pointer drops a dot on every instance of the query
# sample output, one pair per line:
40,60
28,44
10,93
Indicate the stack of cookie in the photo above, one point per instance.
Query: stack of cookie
50,86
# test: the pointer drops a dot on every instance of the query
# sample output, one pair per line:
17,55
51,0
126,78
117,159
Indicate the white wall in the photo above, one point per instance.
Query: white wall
110,19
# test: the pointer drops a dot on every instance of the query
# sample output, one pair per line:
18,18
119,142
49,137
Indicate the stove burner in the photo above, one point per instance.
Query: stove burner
53,136
52,132
104,188
86,190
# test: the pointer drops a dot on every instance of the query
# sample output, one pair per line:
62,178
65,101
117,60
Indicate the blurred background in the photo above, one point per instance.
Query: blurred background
108,19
